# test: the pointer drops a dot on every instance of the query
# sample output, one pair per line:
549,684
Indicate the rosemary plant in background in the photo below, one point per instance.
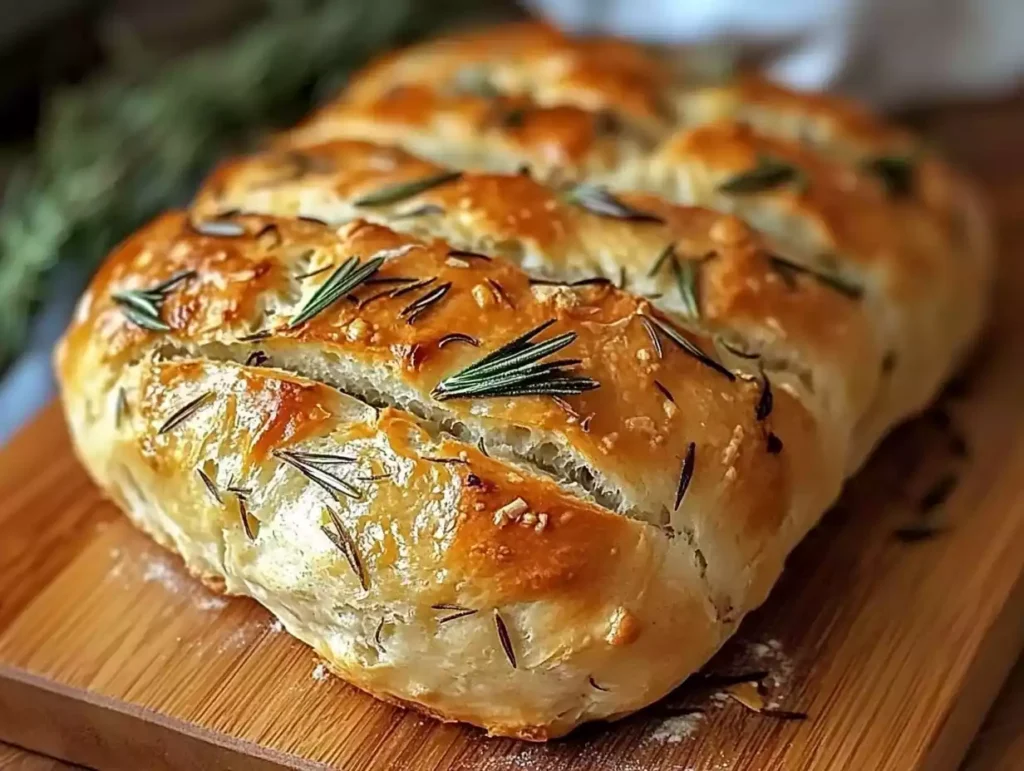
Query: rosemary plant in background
113,152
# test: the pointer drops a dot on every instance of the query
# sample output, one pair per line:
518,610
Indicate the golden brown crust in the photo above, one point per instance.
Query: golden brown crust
523,562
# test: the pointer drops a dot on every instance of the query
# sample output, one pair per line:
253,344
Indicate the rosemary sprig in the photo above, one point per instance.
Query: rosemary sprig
504,638
597,200
210,485
768,174
184,413
686,473
344,542
515,369
256,359
455,611
334,485
347,277
142,306
400,191
593,684
788,269
377,633
773,444
421,305
687,346
896,173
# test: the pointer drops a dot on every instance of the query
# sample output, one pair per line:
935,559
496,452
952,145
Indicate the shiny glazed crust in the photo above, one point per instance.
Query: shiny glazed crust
528,562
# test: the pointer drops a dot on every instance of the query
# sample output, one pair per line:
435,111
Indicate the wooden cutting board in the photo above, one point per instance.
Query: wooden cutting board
111,656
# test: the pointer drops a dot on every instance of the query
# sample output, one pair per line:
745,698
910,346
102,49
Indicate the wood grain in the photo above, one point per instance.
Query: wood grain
111,656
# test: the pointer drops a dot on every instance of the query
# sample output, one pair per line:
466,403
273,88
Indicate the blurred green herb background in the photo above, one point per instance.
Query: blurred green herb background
137,137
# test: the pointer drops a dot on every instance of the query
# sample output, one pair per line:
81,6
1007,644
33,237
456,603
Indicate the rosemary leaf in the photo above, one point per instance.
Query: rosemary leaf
120,407
688,347
768,174
210,485
668,253
766,401
515,369
895,172
142,306
664,392
334,485
347,277
597,200
402,190
341,538
686,273
788,269
457,612
686,473
458,337
505,639
243,512
421,305
184,413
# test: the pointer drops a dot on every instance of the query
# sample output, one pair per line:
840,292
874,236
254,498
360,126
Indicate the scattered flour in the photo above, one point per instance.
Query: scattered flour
320,672
211,602
673,730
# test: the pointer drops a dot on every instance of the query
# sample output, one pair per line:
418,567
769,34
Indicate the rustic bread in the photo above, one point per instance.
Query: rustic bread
507,448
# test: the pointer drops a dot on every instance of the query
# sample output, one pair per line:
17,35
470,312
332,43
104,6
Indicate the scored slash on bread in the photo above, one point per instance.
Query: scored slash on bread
484,436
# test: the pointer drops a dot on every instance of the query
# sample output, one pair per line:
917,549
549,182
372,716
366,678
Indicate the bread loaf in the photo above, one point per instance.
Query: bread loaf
508,380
